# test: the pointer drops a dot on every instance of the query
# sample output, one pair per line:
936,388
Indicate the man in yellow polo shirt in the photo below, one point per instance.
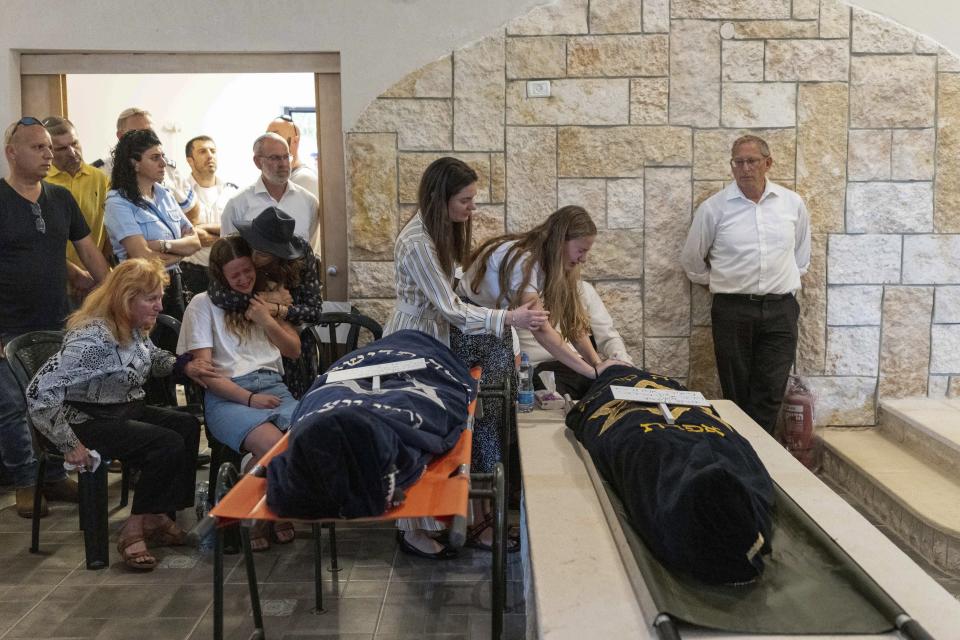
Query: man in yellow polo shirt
89,187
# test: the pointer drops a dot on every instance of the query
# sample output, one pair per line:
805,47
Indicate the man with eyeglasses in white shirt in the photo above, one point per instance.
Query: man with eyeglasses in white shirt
38,219
273,189
750,243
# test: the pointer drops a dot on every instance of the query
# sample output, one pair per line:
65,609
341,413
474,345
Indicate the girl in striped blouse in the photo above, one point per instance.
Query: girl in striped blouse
429,248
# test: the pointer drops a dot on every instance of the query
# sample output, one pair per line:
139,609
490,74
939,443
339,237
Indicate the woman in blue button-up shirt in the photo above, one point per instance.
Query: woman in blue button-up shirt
143,218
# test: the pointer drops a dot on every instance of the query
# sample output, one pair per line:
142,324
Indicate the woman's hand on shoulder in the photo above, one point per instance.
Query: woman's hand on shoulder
264,401
526,317
198,369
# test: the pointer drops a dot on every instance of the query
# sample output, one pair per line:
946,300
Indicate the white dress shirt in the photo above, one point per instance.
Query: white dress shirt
212,202
425,298
736,245
296,202
609,342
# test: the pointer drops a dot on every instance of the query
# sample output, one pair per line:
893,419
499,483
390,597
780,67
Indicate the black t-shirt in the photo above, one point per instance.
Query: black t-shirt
33,265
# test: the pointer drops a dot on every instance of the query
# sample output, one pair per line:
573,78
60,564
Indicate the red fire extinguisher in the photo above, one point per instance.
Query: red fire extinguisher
797,434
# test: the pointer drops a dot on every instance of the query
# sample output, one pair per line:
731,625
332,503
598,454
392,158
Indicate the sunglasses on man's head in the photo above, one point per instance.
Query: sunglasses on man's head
286,117
25,121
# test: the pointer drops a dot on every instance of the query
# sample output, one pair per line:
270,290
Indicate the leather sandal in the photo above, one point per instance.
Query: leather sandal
136,560
474,532
165,534
283,532
260,536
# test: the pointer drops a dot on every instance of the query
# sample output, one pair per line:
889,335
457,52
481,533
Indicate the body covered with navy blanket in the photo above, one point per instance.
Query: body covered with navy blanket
695,492
352,448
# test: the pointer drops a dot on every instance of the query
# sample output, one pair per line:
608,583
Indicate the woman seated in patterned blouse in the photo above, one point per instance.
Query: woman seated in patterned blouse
249,408
290,272
89,396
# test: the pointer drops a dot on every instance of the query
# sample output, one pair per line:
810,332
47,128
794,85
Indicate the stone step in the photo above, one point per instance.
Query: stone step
900,489
929,427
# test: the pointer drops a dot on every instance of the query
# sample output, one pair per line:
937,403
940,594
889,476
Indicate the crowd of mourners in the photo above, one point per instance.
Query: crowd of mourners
100,250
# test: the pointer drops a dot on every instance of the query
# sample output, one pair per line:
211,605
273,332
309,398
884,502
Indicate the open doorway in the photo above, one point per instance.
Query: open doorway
218,95
231,108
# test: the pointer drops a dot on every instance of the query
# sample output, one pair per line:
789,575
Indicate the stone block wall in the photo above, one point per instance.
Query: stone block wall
863,118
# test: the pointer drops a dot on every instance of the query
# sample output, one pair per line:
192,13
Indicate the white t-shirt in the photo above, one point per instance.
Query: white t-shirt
204,326
489,289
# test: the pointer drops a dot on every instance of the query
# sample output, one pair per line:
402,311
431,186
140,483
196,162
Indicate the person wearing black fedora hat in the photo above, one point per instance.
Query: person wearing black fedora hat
272,232
288,265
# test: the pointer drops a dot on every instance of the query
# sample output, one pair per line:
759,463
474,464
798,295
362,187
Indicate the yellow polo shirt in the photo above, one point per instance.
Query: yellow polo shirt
89,188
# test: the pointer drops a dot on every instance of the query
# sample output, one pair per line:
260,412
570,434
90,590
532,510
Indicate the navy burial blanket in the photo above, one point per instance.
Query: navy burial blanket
695,492
353,449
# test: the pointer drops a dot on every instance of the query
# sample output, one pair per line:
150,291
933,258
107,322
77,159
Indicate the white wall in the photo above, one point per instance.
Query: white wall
233,109
379,40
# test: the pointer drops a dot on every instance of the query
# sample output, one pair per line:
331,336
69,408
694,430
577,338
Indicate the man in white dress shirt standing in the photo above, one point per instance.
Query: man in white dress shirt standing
750,243
273,189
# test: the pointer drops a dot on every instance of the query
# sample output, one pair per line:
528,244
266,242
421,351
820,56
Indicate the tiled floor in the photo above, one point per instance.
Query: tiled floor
379,593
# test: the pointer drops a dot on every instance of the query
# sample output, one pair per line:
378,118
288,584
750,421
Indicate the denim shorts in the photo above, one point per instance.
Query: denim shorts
231,422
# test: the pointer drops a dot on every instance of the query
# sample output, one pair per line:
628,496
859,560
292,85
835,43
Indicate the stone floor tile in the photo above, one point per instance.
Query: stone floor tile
146,628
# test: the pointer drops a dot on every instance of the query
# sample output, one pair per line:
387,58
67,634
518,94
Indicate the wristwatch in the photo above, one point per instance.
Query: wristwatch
164,246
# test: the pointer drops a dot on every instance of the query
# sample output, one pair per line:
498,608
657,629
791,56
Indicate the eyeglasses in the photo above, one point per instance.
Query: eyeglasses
38,220
278,158
740,163
26,121
286,116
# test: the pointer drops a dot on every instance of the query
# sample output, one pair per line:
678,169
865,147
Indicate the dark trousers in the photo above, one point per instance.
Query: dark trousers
162,443
173,301
195,278
567,380
755,342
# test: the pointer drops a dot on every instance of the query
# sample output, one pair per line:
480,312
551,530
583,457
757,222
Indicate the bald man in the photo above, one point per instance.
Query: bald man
300,173
38,220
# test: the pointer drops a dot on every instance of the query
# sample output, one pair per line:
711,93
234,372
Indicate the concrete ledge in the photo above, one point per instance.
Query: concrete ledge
580,588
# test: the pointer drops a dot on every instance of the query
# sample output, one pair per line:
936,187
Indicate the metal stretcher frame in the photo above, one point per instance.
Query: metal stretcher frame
442,492
667,627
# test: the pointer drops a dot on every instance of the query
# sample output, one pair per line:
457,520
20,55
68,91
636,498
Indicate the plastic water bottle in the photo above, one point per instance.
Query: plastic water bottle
525,385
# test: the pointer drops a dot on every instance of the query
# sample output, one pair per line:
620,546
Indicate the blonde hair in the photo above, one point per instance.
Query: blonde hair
113,299
545,245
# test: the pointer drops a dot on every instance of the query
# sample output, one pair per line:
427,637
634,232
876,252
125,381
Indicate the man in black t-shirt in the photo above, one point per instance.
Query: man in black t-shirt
36,221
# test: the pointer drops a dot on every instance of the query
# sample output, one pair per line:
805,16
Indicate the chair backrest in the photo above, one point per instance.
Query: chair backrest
27,353
165,333
332,345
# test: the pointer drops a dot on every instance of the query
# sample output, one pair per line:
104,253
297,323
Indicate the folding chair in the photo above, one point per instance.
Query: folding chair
25,355
442,492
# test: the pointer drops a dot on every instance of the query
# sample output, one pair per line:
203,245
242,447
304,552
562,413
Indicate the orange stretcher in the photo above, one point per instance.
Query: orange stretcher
442,492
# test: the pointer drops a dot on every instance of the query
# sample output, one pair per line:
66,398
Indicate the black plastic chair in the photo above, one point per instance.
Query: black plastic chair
25,355
326,330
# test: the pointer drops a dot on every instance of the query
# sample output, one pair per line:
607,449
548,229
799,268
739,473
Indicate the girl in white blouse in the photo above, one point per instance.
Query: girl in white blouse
429,248
540,268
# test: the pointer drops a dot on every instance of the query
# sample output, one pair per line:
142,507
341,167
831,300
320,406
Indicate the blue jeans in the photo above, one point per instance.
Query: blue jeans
16,444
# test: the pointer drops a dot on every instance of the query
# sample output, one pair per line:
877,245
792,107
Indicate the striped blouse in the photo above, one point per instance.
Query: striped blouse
425,298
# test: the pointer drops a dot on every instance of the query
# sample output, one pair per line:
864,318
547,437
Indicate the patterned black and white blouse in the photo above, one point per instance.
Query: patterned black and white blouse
91,367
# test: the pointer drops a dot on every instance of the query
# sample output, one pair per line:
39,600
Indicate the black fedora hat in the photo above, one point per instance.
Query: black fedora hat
272,232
